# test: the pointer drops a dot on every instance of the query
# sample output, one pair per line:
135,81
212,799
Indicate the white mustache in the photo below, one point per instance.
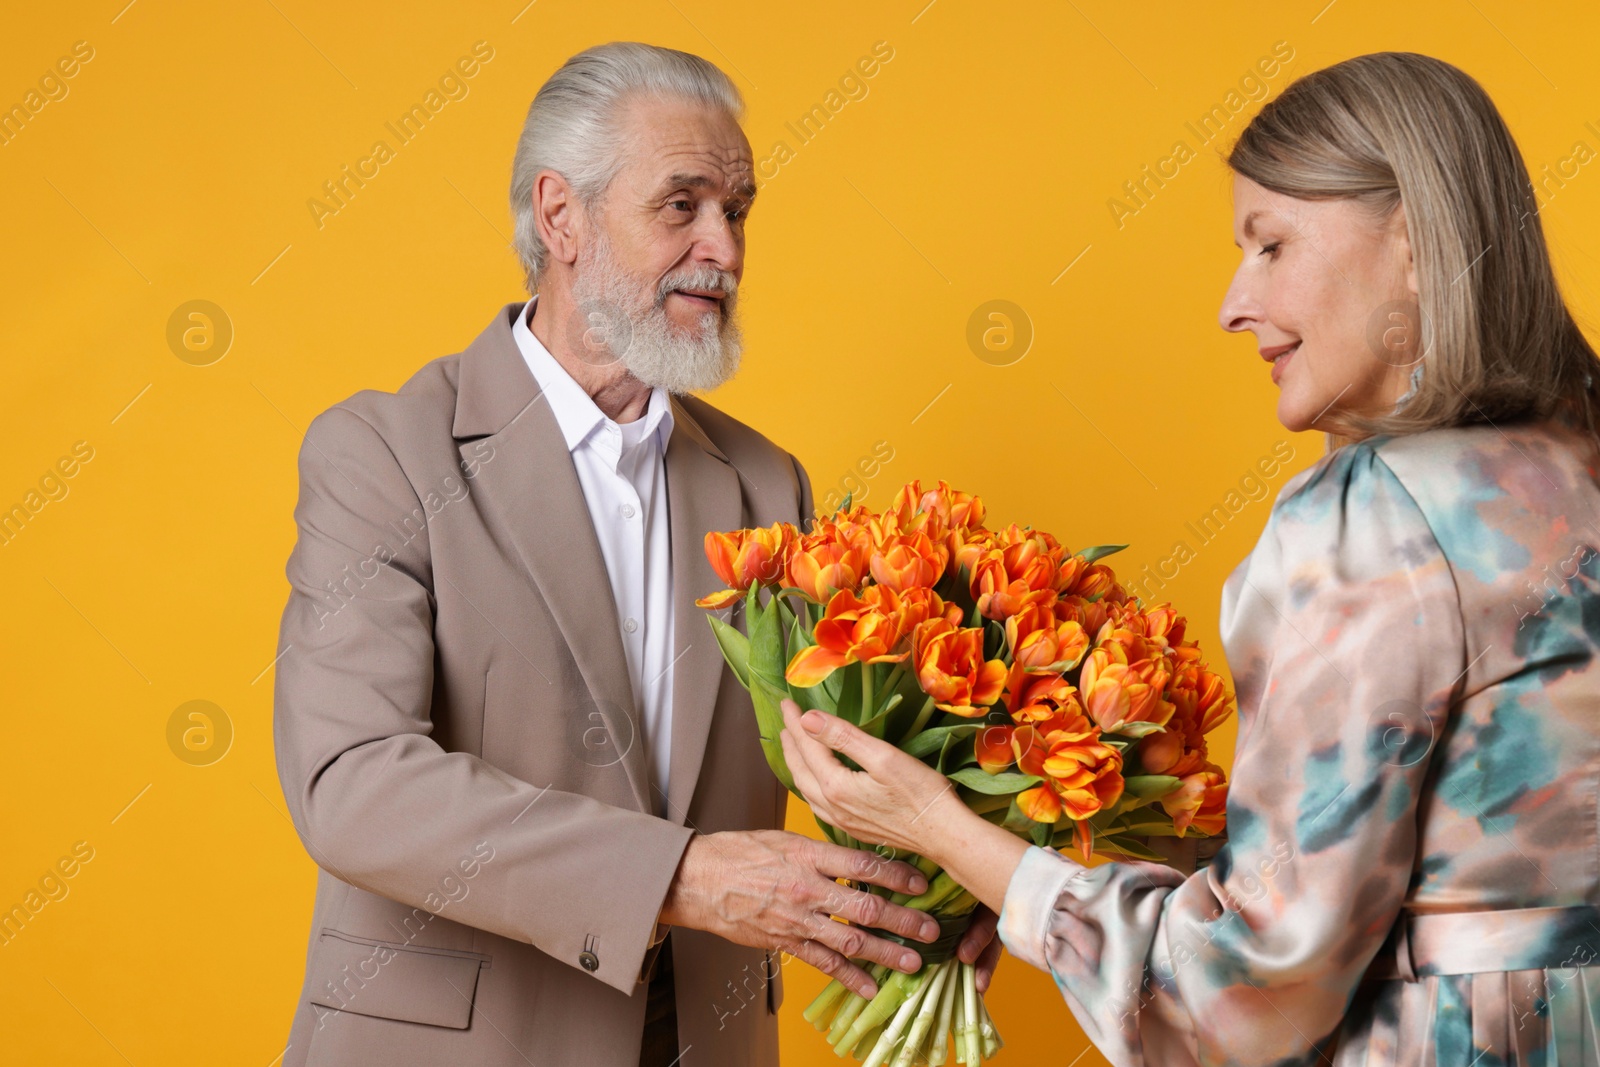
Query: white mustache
699,279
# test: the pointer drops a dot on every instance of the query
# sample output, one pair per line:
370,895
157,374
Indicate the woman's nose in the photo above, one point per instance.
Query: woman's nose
1238,309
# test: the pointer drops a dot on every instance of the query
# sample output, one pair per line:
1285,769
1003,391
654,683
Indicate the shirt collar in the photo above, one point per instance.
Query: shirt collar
576,413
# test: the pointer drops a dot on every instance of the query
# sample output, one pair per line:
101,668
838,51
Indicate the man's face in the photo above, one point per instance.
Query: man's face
663,250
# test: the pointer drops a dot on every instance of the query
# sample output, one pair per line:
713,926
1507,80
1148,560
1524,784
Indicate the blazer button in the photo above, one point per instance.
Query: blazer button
589,960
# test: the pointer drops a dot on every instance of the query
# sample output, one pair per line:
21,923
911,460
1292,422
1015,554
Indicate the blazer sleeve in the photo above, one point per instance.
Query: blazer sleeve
376,800
1349,643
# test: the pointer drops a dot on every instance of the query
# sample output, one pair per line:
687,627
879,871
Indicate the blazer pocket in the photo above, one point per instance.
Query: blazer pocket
389,980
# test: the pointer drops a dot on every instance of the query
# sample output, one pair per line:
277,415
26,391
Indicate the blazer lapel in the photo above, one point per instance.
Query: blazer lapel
703,494
532,488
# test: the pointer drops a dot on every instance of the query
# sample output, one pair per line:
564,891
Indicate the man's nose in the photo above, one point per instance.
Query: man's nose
717,243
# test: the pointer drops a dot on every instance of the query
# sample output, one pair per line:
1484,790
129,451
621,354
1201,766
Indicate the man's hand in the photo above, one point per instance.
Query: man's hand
980,945
774,889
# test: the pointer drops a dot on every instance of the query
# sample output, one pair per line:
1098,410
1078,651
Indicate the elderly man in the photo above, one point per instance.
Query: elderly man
545,829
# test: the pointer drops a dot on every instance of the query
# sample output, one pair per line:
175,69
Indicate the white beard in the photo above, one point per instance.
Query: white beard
616,325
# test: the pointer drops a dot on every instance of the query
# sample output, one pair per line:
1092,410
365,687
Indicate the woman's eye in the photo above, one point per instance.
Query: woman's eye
1269,250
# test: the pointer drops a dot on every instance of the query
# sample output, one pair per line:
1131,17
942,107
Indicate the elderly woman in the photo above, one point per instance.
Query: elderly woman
1413,858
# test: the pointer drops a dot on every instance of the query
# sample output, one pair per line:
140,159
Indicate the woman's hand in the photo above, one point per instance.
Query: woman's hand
886,805
897,800
900,801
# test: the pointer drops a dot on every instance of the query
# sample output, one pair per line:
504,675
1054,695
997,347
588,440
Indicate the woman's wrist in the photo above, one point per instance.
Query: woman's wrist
979,855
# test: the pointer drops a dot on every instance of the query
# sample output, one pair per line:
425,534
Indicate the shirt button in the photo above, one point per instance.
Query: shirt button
630,625
589,960
627,511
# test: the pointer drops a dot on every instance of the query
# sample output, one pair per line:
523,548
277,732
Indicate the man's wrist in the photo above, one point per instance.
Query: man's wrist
677,908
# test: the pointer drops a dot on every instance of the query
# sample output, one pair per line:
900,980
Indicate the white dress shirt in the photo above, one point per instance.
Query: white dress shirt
622,469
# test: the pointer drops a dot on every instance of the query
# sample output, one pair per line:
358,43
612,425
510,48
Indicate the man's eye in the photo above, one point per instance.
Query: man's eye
1269,250
687,206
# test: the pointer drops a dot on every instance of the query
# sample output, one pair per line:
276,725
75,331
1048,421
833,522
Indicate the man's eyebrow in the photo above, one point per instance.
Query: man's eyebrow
745,188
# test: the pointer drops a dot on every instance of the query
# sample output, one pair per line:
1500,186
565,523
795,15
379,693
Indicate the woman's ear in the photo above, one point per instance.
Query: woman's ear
1403,236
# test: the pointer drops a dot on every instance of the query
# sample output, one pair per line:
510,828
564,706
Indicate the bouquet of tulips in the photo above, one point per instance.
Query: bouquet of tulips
1062,709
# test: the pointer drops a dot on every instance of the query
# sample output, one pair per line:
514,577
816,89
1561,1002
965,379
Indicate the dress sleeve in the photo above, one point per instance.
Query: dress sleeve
1344,635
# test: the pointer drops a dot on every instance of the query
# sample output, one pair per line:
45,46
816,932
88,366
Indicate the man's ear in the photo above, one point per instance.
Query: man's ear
556,216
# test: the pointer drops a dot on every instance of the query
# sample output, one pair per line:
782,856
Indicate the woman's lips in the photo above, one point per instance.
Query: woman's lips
1280,357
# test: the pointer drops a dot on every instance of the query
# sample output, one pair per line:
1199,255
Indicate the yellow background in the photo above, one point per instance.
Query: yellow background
978,167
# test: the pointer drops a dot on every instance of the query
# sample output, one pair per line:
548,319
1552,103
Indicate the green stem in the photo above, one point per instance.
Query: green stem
890,996
926,1011
884,1046
939,1049
817,1013
970,1025
929,869
867,710
991,1036
892,683
919,722
939,890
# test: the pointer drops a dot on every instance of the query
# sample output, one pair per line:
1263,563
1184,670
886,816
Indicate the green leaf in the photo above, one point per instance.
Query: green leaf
1140,729
848,701
1042,833
1150,829
875,724
816,696
1098,551
963,750
1123,846
980,780
735,648
932,740
1018,822
1150,786
768,688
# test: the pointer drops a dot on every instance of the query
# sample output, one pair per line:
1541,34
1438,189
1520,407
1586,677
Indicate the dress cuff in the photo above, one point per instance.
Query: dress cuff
1030,899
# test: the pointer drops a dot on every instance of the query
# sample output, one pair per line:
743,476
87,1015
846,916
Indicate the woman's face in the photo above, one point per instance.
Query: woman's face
1334,292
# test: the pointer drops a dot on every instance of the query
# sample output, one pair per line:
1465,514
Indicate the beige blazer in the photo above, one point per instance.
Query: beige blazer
456,741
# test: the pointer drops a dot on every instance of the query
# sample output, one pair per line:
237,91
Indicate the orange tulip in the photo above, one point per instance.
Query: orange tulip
906,562
1040,643
746,556
968,546
828,560
1040,803
1083,775
1092,615
952,508
951,668
1201,801
1119,695
853,629
918,605
1086,775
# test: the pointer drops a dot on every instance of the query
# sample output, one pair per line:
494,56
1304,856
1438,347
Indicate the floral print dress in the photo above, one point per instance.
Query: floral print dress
1412,868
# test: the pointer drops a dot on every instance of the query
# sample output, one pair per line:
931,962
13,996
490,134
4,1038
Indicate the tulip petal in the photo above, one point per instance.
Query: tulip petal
1039,804
813,664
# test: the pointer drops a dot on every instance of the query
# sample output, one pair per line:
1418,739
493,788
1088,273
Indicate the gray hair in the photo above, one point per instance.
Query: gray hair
1395,128
573,125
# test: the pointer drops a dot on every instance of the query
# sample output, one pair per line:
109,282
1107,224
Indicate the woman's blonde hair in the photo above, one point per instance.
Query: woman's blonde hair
1398,128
